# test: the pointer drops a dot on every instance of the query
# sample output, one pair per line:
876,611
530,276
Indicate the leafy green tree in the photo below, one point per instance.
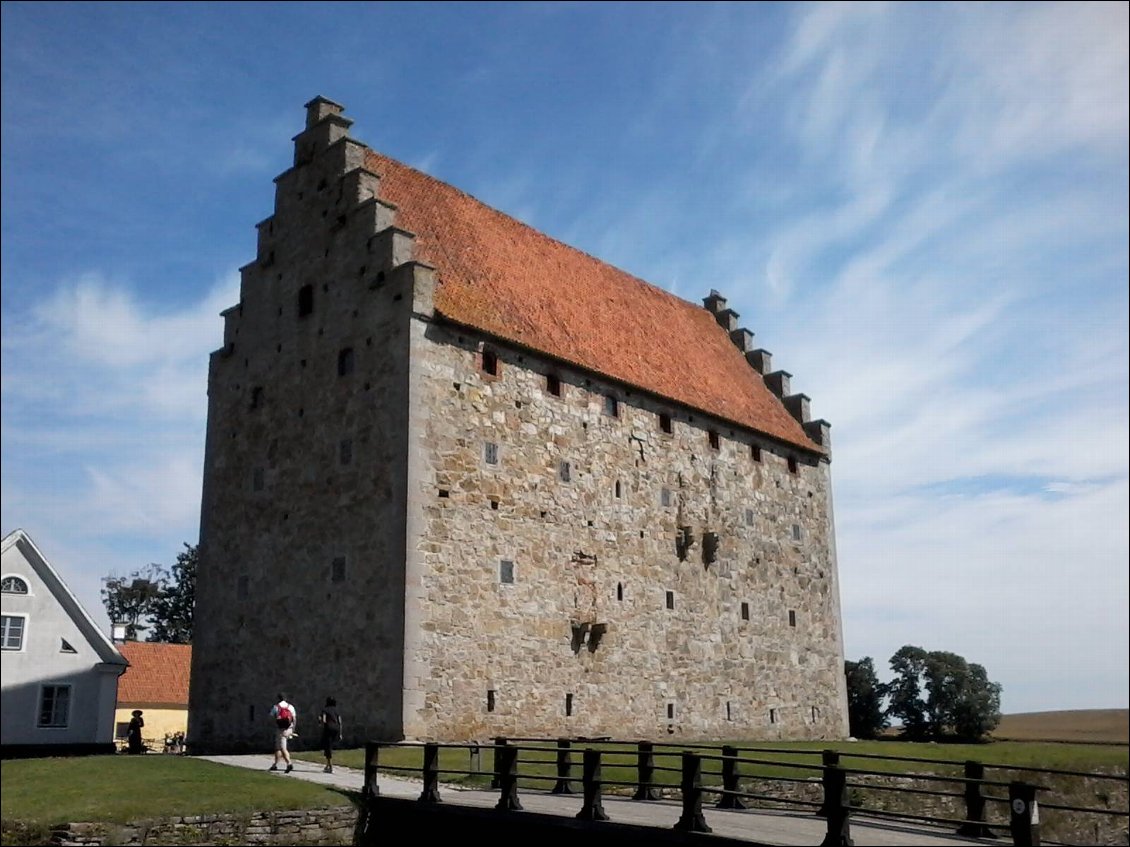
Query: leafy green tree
865,699
129,599
907,703
977,709
172,609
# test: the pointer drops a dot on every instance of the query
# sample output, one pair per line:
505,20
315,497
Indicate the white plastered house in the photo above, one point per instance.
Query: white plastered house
59,670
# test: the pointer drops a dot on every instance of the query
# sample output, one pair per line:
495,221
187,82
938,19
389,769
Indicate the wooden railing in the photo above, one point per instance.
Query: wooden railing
837,787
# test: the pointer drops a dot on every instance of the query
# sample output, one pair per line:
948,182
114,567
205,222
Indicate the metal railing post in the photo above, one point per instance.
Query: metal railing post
731,779
829,759
974,826
496,768
645,770
692,819
474,758
837,809
564,767
593,808
369,787
430,794
1024,820
509,779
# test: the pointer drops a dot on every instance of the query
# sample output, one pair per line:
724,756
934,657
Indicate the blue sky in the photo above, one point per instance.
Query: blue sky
920,209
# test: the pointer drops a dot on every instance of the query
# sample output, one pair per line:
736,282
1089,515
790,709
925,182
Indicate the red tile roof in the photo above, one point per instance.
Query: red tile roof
158,674
505,278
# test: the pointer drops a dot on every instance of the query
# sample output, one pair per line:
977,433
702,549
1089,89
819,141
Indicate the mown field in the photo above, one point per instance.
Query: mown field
1094,726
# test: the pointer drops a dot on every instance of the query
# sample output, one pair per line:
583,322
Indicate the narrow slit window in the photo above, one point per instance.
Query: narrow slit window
345,362
772,716
755,452
553,384
611,406
792,617
490,363
792,465
670,711
620,591
665,497
617,489
670,599
749,517
796,532
568,705
490,699
305,300
490,453
506,572
665,423
564,472
745,611
729,712
815,714
715,440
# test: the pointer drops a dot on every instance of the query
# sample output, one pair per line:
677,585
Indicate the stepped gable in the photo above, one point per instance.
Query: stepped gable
506,279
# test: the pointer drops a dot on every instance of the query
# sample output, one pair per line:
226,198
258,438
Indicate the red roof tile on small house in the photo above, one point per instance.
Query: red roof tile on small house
158,674
506,279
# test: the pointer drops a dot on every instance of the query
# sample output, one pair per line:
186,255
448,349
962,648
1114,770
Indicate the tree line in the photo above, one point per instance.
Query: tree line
933,695
155,599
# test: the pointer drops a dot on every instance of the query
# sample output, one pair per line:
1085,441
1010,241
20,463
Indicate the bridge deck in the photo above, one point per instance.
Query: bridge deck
761,827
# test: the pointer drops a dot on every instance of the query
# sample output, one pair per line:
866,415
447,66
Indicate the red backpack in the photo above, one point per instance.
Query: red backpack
284,718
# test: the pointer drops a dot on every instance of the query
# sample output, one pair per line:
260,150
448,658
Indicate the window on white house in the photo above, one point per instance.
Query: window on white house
12,636
54,706
13,585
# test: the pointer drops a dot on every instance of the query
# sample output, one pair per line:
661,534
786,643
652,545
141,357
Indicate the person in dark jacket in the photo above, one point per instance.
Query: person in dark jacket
330,719
133,734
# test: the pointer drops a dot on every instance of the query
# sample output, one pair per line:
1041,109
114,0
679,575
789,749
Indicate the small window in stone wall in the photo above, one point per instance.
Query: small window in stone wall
796,532
506,572
553,384
665,497
793,468
749,517
729,711
337,569
715,440
345,362
257,479
345,451
670,711
620,591
568,705
305,300
617,489
564,472
665,423
772,716
670,599
815,714
745,611
792,617
755,452
241,588
490,363
611,406
490,453
490,699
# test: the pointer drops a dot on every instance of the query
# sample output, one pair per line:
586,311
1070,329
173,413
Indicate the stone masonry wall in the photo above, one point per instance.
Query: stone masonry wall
302,526
604,629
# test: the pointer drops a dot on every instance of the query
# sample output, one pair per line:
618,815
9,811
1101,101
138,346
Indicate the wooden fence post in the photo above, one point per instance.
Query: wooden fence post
837,810
829,759
692,819
974,826
369,787
564,767
645,770
496,768
593,808
731,780
430,794
509,779
1024,821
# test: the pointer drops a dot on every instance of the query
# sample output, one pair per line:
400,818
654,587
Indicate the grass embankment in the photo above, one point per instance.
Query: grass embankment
37,793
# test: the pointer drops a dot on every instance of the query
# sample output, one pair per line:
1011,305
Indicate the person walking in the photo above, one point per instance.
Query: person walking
330,719
285,717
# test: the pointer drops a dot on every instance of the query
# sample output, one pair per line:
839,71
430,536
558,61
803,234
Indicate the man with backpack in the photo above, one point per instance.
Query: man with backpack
285,717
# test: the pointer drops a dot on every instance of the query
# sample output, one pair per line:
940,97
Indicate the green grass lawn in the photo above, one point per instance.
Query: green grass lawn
119,789
619,762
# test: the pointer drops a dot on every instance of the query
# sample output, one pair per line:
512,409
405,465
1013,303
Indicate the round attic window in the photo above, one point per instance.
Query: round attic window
13,585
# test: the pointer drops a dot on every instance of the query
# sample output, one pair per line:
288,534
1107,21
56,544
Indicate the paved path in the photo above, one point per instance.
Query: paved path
766,827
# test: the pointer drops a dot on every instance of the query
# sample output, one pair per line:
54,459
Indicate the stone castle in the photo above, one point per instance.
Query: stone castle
472,482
